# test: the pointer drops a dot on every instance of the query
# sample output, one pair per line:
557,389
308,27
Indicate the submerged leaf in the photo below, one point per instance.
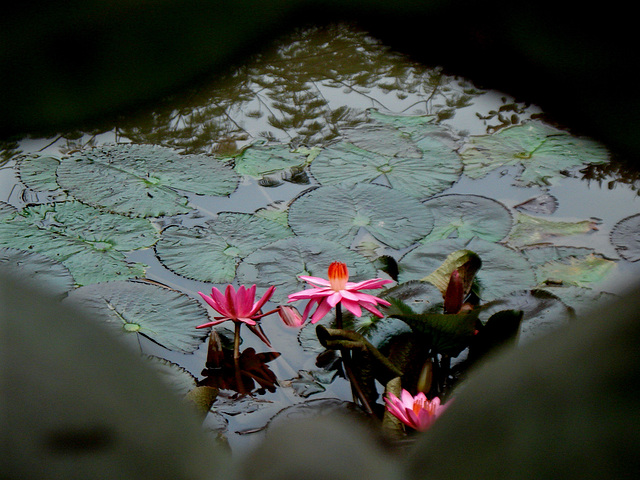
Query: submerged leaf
544,204
338,212
90,243
280,263
210,253
143,180
163,315
541,151
625,236
468,216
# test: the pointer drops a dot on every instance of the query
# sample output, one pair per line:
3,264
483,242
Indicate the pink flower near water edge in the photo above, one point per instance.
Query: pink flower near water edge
416,412
237,306
337,289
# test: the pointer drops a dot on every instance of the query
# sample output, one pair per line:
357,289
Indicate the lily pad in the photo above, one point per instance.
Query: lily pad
7,210
503,269
543,312
468,216
163,315
143,180
210,253
90,243
280,263
38,269
529,230
542,152
556,265
261,159
39,173
177,378
338,212
544,204
417,170
625,236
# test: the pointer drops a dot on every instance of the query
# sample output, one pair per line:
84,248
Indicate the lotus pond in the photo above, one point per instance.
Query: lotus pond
329,147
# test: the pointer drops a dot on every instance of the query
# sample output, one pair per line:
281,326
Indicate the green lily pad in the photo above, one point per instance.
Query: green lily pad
90,243
541,151
468,216
210,253
39,173
625,236
416,126
143,180
543,312
528,230
178,379
338,212
503,269
163,315
580,299
7,210
37,269
261,159
417,170
577,266
280,263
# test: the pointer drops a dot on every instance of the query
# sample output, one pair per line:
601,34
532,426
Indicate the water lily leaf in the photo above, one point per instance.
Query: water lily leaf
416,126
143,180
468,216
541,151
544,204
177,378
528,230
163,315
261,159
90,243
417,170
556,265
280,263
625,236
338,212
210,253
37,269
503,269
465,261
7,210
580,299
39,173
543,312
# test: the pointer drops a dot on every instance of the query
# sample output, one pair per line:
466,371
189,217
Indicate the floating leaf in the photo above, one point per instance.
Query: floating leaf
543,312
544,204
418,171
468,216
555,265
580,299
529,230
38,269
260,159
625,236
503,269
143,180
338,212
466,262
90,243
280,263
416,126
163,315
7,210
178,379
39,173
541,151
210,253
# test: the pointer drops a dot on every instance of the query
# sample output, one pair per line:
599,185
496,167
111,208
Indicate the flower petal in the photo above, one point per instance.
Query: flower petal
318,280
321,311
265,298
230,300
353,307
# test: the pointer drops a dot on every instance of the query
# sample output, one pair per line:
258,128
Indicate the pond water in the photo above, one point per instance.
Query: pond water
269,149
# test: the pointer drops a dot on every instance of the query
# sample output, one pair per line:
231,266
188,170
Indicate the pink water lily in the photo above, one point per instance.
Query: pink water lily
416,412
236,306
337,289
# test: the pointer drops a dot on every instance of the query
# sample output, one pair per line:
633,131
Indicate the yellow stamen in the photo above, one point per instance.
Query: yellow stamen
338,276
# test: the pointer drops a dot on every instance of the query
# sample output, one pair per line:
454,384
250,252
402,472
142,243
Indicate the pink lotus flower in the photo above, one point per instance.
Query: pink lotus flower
290,316
236,306
337,289
416,412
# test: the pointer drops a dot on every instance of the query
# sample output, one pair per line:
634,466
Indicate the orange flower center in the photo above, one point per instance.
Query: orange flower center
338,276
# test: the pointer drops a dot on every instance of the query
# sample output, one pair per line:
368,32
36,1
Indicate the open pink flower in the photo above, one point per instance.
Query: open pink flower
236,306
337,289
416,412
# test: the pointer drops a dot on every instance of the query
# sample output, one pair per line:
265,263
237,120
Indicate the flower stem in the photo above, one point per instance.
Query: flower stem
356,389
236,341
